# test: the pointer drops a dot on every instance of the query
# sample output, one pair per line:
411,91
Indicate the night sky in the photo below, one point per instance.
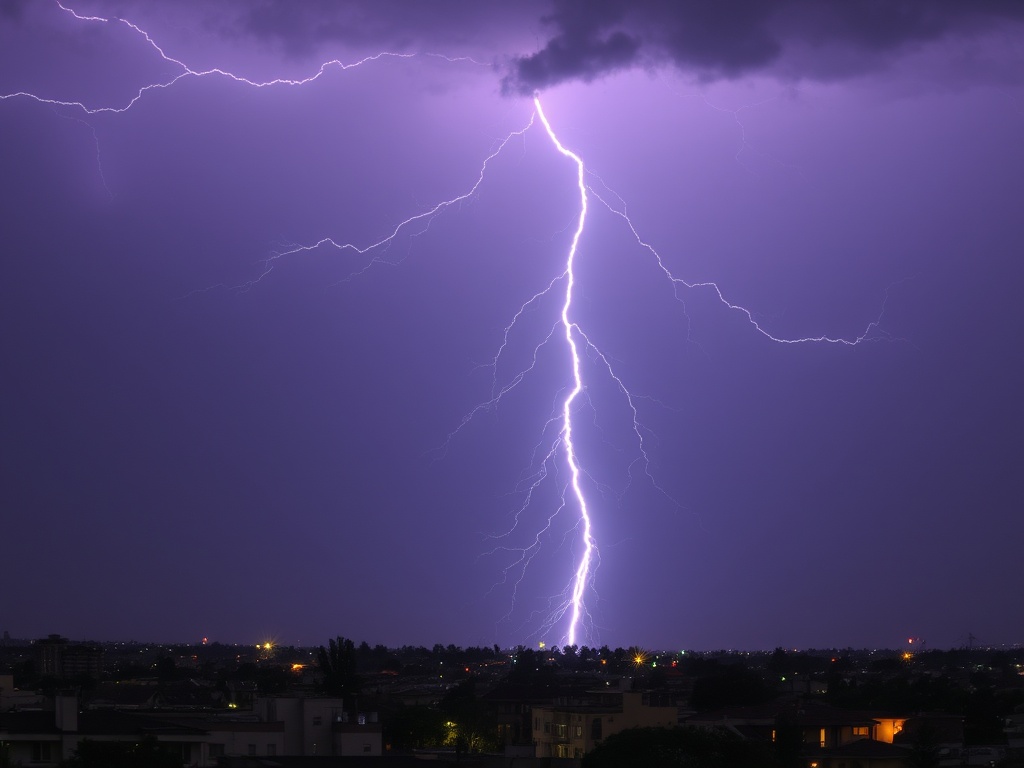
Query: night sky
213,426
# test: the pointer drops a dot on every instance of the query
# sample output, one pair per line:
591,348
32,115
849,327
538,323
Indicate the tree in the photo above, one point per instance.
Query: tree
470,725
924,753
789,741
779,661
338,667
147,753
678,748
530,668
416,727
166,669
728,685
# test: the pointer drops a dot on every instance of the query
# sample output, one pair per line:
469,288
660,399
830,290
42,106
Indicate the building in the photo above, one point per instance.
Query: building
45,738
58,658
321,726
826,736
573,727
278,726
814,724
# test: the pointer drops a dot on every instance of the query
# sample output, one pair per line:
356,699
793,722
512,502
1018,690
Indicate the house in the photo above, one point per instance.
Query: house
513,703
817,724
573,727
828,737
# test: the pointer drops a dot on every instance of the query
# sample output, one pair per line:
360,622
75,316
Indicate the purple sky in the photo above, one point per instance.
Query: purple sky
198,441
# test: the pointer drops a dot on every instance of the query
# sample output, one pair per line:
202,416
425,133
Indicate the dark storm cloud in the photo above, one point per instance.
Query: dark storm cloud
301,27
583,49
721,40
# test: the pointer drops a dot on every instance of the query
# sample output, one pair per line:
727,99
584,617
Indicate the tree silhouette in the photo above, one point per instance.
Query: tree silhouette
678,748
925,750
337,664
471,723
147,753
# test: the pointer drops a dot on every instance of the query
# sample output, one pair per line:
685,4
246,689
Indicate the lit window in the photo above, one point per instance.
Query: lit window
860,730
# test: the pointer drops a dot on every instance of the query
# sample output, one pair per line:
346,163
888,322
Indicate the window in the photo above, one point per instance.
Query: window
366,748
547,727
860,730
561,730
318,720
578,732
252,749
216,750
595,729
821,737
41,752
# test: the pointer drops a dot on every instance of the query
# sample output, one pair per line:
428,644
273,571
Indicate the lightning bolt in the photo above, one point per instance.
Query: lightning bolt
582,575
185,71
568,615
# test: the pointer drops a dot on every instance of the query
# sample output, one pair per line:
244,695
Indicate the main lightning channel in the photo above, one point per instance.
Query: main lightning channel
582,575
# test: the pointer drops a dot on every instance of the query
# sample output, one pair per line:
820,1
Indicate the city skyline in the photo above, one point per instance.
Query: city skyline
223,419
